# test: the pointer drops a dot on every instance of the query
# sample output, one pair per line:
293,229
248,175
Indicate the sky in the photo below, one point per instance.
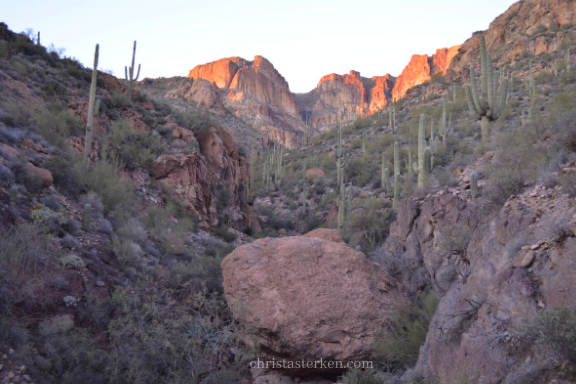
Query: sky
303,39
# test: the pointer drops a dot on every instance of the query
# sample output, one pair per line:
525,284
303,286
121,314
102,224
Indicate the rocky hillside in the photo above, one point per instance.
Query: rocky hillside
185,244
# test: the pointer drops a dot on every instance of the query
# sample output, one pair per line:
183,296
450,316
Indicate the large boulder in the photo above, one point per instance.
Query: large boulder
308,299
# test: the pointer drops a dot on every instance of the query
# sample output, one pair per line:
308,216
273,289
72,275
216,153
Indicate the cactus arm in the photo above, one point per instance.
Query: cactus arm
473,87
471,105
126,73
490,82
503,99
138,74
484,69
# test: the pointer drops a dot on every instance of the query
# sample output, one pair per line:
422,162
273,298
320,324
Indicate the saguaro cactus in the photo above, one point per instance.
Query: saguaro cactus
422,171
93,107
13,196
410,165
555,67
387,181
568,60
341,160
427,160
382,168
129,73
364,138
87,217
396,175
432,145
442,128
531,86
473,184
486,109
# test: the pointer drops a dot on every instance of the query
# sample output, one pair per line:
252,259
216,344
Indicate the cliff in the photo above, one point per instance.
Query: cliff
252,90
421,69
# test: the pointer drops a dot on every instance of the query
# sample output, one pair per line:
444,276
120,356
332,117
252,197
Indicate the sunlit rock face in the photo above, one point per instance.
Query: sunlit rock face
254,91
421,69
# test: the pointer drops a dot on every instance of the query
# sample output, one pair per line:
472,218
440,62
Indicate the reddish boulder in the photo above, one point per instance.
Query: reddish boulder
308,298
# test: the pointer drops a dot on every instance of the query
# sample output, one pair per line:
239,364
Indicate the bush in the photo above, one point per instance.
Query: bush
358,376
64,176
399,344
24,257
103,178
3,49
553,331
132,148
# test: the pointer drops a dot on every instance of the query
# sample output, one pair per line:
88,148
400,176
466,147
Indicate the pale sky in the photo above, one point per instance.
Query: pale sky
303,39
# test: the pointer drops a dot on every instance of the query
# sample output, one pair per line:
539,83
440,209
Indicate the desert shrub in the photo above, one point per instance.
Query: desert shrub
52,88
56,125
562,102
64,176
398,345
6,176
132,148
553,331
15,114
565,126
25,253
201,271
517,162
163,229
158,341
103,178
362,123
3,49
356,143
76,357
224,234
369,226
358,376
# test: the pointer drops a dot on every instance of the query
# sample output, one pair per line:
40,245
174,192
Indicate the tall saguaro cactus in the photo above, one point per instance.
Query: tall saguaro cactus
422,171
486,108
341,160
443,128
396,175
364,139
473,184
129,73
93,106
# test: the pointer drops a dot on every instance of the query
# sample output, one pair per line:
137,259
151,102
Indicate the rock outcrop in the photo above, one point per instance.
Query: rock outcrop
421,69
199,178
539,20
493,274
345,97
252,90
308,298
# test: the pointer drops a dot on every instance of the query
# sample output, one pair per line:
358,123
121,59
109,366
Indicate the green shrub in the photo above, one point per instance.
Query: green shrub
64,176
103,178
56,125
398,344
132,148
224,234
362,123
553,331
358,376
25,255
3,49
